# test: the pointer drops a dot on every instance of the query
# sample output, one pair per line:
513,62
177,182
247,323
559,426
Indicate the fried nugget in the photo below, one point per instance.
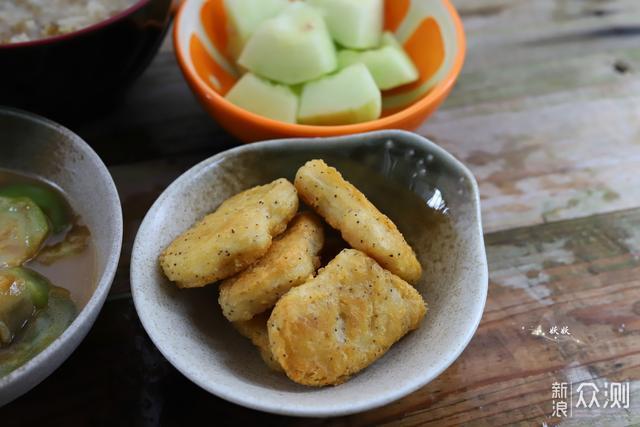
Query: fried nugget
340,322
292,259
362,225
237,234
256,330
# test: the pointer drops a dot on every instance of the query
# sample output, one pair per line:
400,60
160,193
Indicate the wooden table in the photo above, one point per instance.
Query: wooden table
547,115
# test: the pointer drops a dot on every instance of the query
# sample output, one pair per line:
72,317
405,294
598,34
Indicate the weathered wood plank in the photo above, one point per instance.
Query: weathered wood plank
531,168
546,115
545,112
549,158
582,273
507,32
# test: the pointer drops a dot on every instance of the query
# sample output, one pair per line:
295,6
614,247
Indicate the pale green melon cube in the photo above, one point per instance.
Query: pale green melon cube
262,97
291,48
388,39
355,24
389,65
347,97
244,16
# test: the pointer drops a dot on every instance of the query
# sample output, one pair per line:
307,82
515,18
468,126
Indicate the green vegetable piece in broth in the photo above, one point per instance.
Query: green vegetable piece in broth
53,205
23,229
47,325
37,285
22,293
16,306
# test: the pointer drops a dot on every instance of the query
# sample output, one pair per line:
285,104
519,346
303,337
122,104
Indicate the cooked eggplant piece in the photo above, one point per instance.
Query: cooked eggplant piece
51,203
23,229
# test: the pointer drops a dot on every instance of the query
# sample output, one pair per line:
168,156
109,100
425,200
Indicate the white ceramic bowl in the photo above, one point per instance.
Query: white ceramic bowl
33,145
402,173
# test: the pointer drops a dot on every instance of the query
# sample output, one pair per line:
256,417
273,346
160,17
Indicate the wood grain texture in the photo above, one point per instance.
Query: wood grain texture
546,114
582,273
546,110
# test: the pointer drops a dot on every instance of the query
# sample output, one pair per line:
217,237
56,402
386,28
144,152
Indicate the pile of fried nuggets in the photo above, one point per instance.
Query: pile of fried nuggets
318,329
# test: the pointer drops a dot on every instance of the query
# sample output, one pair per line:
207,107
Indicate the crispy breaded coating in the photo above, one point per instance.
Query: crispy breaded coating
340,322
256,330
292,259
362,225
237,234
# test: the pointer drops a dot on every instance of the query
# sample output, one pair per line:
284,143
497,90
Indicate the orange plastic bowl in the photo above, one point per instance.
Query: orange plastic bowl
430,30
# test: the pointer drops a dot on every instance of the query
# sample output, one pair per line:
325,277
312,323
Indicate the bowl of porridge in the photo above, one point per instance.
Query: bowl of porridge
64,57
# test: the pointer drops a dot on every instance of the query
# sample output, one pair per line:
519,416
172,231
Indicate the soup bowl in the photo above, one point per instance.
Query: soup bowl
430,30
38,147
86,70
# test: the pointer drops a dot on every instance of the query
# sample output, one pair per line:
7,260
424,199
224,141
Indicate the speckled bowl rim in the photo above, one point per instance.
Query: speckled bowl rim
85,319
345,408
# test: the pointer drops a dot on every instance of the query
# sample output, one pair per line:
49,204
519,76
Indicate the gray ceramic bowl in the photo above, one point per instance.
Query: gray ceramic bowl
33,145
403,174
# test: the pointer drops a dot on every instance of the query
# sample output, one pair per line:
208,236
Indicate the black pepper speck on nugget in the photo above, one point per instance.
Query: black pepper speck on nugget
291,260
233,237
362,225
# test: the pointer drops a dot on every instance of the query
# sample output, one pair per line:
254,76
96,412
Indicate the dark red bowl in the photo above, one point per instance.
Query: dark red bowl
87,70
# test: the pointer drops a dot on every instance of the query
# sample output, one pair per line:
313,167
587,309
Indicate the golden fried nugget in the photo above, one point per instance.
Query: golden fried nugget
362,225
237,234
292,259
256,330
341,321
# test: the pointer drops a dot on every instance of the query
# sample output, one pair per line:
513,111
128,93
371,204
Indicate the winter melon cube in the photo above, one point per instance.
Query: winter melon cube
267,99
347,97
388,39
291,48
389,65
355,24
244,16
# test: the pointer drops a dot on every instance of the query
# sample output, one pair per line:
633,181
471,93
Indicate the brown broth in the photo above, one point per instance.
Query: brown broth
77,272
